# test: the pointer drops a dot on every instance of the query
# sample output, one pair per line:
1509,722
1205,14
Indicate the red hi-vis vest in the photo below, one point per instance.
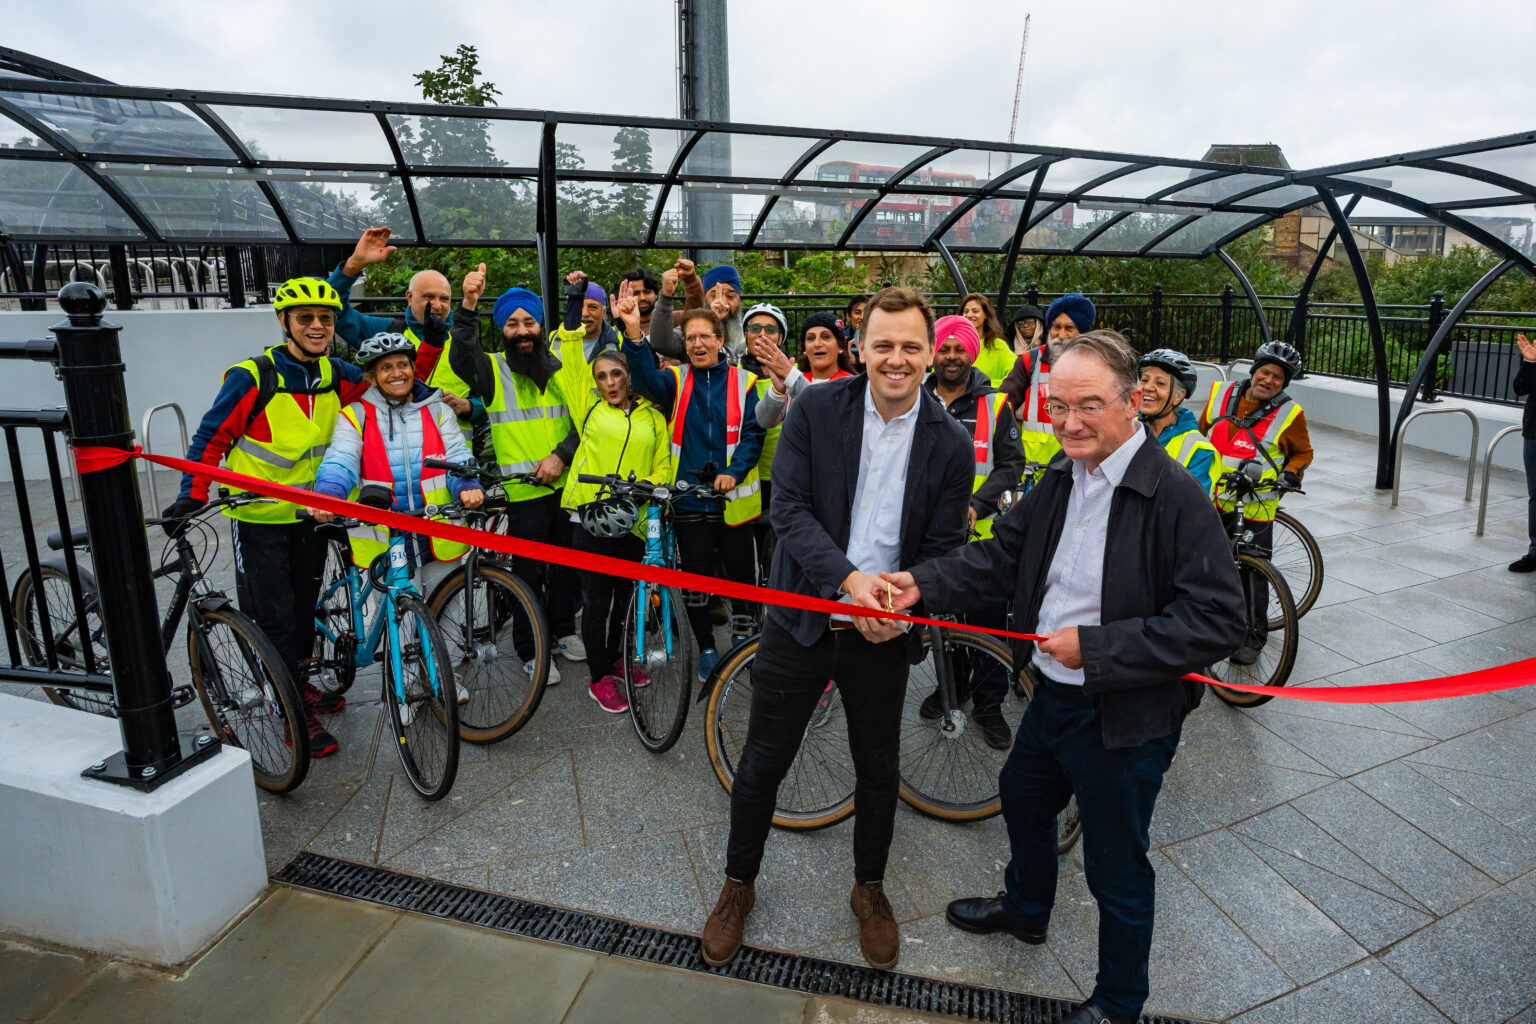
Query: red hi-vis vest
1035,433
368,542
744,502
988,408
1234,444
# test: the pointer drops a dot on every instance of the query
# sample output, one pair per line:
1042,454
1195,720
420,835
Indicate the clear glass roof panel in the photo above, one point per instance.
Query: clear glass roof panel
467,141
474,208
1064,228
812,216
1134,232
1208,229
324,211
705,214
989,224
906,220
740,155
1517,162
869,163
1145,182
185,205
46,199
1073,173
590,211
308,136
104,126
1277,198
967,168
1515,224
1218,189
14,136
598,147
1427,185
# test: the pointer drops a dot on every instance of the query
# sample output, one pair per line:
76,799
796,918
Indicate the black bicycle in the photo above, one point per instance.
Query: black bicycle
237,673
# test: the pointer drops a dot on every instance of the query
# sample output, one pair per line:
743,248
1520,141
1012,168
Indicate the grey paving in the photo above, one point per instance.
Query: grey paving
1478,964
1366,991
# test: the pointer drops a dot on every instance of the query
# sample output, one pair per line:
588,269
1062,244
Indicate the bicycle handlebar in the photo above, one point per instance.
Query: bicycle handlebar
666,493
484,474
227,501
450,509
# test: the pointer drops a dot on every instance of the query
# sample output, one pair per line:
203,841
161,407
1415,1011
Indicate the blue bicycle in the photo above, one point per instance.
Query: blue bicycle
660,655
418,688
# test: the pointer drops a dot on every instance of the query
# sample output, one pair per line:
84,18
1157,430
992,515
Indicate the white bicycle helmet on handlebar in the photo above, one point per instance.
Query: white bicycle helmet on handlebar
608,517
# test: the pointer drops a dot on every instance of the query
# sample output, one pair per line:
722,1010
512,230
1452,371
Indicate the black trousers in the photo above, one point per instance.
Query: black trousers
277,581
556,586
787,681
1255,587
983,680
1058,751
605,599
700,542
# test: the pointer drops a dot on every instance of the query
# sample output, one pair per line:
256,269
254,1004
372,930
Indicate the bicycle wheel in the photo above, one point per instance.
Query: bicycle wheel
248,695
334,664
1276,646
487,668
419,691
947,768
1295,554
68,644
658,665
818,789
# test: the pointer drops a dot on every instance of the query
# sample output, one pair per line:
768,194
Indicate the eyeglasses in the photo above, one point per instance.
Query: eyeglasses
690,339
305,319
1059,411
772,329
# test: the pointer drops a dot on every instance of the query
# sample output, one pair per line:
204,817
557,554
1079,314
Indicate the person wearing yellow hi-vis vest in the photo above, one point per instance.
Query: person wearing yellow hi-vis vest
1167,378
1256,419
983,411
1028,384
273,419
715,439
526,389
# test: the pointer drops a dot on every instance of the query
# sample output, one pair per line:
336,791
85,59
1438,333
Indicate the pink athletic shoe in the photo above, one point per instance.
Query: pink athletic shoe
609,694
637,679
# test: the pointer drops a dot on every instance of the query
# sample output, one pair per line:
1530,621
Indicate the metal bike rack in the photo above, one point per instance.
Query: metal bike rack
1215,366
1482,503
1397,444
181,421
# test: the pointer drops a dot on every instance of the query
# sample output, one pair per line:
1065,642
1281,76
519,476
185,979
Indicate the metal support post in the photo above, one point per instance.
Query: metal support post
122,282
1157,316
547,234
1224,352
1436,318
1253,296
954,268
234,275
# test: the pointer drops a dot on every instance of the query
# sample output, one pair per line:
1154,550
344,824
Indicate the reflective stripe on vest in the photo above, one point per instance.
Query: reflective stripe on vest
1235,444
743,502
369,542
1183,448
770,435
300,437
1034,417
988,408
523,436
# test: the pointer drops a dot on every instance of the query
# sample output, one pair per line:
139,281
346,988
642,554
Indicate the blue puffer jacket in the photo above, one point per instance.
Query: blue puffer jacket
400,423
1183,423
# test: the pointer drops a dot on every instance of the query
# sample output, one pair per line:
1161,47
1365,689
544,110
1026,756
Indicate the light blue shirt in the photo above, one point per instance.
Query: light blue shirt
874,535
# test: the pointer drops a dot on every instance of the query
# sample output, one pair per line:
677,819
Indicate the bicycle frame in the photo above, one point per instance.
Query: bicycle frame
658,541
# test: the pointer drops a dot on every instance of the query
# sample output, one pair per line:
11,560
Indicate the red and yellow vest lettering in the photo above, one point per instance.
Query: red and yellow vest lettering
985,440
1235,444
1035,433
744,502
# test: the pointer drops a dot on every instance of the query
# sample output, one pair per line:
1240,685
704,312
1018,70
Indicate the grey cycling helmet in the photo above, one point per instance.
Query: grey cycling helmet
385,343
1283,355
768,309
1176,363
608,517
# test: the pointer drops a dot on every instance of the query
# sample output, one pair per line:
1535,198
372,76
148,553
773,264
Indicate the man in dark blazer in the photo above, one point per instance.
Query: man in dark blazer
1118,559
871,475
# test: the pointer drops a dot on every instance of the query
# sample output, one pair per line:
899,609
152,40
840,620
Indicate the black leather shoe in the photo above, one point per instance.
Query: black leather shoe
932,706
1088,1013
994,728
1525,563
1245,655
985,915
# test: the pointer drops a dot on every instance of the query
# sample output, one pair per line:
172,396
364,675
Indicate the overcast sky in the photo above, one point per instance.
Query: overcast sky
1329,80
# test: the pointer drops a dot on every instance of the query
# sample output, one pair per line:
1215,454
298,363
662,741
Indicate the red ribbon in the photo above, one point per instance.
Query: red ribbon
93,459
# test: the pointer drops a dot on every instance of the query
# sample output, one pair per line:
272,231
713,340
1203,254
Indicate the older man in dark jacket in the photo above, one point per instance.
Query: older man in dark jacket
1118,559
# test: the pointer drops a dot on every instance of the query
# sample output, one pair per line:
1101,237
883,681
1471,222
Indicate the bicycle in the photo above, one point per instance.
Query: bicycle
237,673
660,655
1271,645
1295,553
418,684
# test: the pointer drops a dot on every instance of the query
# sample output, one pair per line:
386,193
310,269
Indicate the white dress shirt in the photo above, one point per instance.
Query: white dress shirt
1074,585
874,535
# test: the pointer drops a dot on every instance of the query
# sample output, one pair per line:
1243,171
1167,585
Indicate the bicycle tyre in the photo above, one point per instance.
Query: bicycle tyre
272,732
1299,559
726,715
71,656
502,698
429,745
335,661
658,685
953,775
1278,656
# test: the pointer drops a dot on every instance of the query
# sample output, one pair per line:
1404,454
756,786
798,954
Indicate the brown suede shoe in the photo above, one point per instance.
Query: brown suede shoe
721,940
877,925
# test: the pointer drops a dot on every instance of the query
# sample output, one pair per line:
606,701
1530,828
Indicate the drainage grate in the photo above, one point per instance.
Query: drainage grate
806,974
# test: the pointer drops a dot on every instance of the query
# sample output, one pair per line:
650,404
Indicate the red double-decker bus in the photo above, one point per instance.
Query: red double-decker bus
908,218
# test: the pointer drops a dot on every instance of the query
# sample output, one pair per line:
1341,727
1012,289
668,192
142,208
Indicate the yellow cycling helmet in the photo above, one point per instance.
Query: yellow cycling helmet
305,291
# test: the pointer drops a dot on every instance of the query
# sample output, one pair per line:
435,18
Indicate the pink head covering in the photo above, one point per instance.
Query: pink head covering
960,328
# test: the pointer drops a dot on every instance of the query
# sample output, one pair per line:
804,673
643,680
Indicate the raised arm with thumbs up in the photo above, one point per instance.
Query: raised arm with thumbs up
474,286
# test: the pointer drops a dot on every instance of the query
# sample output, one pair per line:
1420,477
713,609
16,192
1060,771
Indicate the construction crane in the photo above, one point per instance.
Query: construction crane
1018,89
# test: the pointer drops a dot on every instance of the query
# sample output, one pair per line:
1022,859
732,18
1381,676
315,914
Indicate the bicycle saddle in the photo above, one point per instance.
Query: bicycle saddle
77,539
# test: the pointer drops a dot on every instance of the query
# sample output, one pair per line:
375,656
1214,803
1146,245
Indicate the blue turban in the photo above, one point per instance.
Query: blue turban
1077,306
595,291
723,274
513,299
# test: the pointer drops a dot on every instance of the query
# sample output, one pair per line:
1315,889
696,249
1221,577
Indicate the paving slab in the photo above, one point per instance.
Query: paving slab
1365,992
1491,597
645,994
1502,750
1429,616
1371,574
1505,800
33,980
1343,749
1227,790
1362,637
1475,965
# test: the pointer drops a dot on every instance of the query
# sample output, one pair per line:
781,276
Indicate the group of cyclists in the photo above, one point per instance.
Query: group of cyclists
626,384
